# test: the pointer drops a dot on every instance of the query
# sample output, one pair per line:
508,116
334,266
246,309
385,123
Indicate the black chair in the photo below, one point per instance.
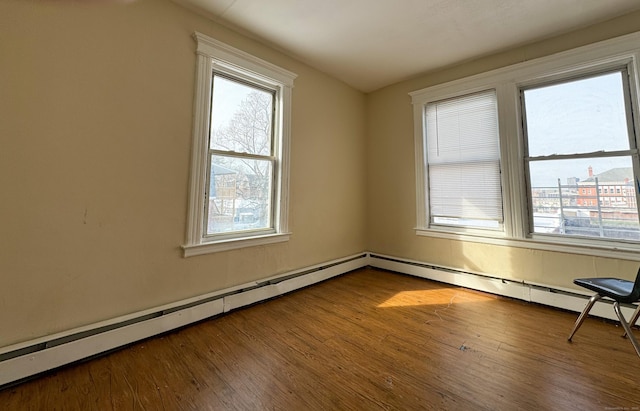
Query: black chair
620,291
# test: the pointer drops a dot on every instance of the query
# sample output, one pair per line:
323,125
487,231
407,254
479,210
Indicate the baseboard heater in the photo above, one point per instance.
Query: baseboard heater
566,299
26,360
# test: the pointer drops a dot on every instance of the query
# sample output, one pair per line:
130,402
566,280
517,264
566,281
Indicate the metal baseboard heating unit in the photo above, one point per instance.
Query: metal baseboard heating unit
566,299
25,360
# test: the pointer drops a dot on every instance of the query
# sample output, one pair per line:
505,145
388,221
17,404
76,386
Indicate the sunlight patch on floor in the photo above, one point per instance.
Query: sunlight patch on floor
432,297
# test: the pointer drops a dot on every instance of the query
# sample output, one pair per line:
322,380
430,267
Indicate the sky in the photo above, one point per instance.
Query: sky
580,116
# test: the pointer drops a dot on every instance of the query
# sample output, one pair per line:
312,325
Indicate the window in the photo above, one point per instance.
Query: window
577,131
463,162
565,146
241,158
239,164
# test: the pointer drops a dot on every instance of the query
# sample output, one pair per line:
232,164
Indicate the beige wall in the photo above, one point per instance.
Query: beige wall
95,131
96,116
391,178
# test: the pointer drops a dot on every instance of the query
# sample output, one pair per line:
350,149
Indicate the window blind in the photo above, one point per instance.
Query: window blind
463,160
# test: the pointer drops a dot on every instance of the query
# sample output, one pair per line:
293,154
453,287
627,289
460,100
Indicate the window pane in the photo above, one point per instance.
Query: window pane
580,116
241,117
585,197
240,194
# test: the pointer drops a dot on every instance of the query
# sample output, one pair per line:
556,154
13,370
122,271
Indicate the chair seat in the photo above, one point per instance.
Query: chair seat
620,291
615,288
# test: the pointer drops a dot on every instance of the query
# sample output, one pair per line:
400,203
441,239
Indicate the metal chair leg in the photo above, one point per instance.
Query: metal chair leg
634,318
583,315
626,327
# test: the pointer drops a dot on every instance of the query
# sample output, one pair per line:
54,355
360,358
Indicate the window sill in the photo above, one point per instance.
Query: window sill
191,250
610,249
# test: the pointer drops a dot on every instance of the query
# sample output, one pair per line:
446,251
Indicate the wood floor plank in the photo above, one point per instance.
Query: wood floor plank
367,340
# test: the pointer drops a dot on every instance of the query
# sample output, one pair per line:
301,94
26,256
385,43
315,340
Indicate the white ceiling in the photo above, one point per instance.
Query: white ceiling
373,43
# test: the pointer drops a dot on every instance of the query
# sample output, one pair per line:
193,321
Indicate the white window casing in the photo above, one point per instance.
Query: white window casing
213,55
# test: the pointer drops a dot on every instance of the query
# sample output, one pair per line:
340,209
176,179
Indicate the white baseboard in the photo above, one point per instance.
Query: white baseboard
281,285
557,297
20,361
36,356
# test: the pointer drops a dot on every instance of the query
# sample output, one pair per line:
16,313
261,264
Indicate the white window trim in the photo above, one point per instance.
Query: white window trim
215,54
622,51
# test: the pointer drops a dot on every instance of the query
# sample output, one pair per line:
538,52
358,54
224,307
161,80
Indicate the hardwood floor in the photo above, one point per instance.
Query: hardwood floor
368,340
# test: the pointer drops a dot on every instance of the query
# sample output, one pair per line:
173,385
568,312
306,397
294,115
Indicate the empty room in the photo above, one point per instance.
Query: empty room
319,205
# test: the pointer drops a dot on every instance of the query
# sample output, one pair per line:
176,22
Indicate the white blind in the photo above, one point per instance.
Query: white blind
463,158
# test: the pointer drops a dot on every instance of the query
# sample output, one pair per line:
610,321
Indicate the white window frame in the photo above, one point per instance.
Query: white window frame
213,55
619,52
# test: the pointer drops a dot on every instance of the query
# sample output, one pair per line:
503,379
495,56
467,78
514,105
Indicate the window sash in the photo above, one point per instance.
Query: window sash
226,81
244,193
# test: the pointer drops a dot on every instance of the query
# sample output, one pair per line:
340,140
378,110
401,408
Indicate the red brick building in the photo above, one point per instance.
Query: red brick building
612,189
